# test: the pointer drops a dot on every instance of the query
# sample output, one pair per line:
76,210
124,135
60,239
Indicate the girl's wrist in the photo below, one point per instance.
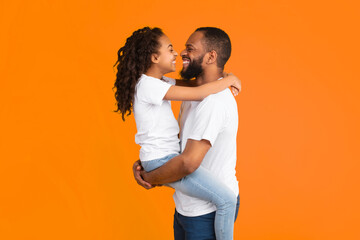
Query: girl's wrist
233,79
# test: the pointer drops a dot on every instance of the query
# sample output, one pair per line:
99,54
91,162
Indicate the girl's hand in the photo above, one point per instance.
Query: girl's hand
236,87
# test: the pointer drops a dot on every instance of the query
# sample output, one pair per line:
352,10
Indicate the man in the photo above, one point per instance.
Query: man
208,136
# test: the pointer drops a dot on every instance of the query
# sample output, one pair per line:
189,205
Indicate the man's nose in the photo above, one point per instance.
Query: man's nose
183,53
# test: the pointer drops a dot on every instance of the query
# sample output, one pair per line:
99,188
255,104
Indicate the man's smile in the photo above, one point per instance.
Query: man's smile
186,62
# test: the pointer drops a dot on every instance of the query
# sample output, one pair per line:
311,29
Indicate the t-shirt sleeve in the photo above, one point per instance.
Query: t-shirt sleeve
152,90
170,80
209,120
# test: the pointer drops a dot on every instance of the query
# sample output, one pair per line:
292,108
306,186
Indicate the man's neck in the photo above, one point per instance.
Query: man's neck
209,76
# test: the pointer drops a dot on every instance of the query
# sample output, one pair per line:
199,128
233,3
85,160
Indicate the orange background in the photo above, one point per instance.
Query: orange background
66,158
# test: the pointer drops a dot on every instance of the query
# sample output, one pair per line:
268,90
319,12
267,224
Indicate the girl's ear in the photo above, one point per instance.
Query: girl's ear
154,58
211,58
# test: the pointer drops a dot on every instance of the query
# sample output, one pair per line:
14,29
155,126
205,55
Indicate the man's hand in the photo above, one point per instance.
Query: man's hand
144,177
137,169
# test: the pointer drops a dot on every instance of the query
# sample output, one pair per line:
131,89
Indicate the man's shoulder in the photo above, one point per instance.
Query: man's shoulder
218,99
222,103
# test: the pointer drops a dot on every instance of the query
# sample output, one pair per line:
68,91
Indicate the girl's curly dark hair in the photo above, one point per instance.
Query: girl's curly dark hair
134,59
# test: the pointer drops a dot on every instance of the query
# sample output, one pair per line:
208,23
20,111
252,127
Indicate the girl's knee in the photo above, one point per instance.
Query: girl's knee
228,201
232,200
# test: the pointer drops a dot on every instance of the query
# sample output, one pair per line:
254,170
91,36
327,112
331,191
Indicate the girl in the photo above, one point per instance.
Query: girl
141,86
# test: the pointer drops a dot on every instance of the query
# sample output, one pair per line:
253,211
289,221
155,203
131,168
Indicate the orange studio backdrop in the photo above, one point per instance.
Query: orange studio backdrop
66,157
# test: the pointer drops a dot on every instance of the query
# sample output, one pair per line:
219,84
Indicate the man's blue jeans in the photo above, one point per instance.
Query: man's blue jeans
197,228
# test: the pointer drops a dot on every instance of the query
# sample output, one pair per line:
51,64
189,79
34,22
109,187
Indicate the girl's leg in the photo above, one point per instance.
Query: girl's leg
204,185
156,163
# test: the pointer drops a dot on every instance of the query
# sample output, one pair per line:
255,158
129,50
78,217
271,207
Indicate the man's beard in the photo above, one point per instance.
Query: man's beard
193,70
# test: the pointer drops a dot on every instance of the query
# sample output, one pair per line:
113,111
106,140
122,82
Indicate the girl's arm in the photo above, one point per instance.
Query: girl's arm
179,93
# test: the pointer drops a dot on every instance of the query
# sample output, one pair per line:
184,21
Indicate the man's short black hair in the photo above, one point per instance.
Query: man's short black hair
218,40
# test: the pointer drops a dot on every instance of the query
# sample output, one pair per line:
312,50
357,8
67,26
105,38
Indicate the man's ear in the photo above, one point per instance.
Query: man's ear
154,58
212,57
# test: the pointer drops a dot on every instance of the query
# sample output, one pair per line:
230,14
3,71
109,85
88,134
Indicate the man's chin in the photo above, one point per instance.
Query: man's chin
188,73
183,75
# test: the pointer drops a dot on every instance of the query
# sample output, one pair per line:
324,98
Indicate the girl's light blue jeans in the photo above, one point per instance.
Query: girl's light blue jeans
203,185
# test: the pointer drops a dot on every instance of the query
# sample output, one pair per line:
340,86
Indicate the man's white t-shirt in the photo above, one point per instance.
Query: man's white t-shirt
157,128
216,120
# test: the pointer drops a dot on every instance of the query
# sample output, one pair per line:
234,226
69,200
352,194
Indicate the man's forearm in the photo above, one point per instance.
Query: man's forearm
171,171
181,165
186,83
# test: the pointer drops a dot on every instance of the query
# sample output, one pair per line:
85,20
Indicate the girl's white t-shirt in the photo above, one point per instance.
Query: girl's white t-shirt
157,128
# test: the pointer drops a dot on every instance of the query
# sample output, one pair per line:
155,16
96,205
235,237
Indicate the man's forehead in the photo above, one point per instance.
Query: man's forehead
195,39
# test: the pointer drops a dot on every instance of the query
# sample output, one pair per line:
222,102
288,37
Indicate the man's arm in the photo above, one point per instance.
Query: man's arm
179,166
185,83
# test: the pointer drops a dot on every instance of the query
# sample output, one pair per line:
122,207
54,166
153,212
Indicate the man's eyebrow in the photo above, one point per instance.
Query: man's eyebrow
189,45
